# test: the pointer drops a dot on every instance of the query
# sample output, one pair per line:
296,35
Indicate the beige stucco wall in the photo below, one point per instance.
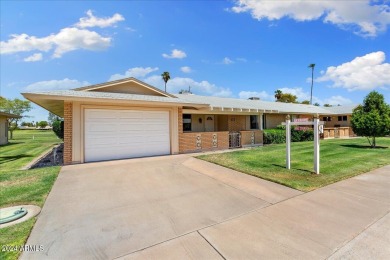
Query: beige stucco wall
78,125
273,120
3,130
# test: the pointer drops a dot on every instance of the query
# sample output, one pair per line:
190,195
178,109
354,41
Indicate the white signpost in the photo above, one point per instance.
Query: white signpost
318,128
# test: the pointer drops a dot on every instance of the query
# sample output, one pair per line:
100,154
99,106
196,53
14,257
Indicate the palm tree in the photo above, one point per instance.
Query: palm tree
278,94
165,76
312,65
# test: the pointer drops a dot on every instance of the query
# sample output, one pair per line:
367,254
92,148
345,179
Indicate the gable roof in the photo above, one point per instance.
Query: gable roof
121,81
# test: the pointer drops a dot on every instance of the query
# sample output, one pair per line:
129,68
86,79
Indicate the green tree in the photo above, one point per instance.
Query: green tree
287,98
327,105
52,118
43,124
165,76
306,102
17,107
317,104
278,94
372,119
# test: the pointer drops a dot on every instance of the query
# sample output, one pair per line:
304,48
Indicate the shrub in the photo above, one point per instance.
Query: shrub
278,136
58,128
274,136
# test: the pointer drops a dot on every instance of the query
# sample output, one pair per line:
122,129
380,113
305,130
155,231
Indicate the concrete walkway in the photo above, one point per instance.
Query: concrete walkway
178,207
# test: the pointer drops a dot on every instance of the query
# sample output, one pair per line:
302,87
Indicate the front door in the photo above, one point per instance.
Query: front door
209,123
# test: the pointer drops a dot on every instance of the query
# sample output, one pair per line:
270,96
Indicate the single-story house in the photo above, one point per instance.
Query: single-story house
4,126
128,118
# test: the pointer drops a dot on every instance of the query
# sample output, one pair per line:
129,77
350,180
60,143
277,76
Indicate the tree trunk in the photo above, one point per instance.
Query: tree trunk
11,134
373,142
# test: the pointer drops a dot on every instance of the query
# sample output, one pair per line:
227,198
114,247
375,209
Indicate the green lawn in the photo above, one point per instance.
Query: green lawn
19,187
339,159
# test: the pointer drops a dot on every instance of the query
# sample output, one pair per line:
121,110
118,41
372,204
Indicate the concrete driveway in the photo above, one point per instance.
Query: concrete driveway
178,207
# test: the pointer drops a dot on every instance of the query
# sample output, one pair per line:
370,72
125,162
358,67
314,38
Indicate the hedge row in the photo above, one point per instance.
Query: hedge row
58,128
278,136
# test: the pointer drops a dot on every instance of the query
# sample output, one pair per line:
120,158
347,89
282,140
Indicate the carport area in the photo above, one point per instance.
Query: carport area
178,207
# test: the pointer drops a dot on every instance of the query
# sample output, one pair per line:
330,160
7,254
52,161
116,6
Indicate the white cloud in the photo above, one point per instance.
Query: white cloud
34,57
186,69
227,61
262,95
337,100
56,85
365,17
301,94
176,84
24,42
362,73
68,39
175,54
137,72
93,21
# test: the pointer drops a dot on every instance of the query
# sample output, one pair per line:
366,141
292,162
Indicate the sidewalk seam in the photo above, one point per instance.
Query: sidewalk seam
236,188
347,242
211,245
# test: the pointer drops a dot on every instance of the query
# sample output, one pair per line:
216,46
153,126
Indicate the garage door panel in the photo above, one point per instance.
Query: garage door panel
132,127
101,114
100,128
118,134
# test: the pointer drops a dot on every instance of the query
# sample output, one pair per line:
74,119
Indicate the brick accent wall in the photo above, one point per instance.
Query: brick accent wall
203,141
246,137
68,116
236,123
180,129
180,120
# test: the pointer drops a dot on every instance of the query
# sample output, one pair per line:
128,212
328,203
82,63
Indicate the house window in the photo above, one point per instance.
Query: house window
186,122
254,122
327,118
342,118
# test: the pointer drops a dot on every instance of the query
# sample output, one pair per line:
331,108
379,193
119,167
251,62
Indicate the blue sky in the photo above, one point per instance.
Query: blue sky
223,48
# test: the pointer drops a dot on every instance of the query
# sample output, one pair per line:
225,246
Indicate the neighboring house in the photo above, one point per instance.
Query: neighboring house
338,121
4,126
128,118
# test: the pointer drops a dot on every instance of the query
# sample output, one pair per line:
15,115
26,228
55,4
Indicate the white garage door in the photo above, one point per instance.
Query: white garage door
119,134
